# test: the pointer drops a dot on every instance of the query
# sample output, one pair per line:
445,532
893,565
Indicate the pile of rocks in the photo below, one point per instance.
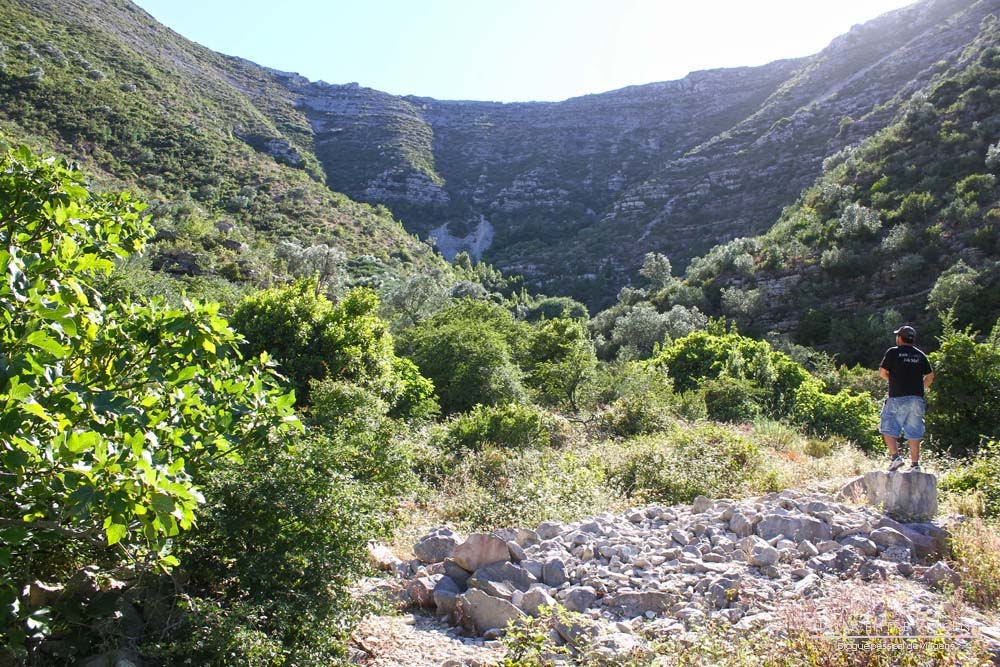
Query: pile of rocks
672,567
717,559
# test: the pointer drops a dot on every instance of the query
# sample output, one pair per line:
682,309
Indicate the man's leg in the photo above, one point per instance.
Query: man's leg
895,462
914,450
889,424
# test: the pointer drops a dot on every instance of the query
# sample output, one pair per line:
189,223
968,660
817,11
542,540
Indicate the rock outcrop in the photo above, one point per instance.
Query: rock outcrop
905,496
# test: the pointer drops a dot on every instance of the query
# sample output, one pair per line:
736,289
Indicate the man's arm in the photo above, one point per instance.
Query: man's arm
884,372
928,379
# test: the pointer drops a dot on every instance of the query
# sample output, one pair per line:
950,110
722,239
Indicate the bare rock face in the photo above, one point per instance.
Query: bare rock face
671,167
905,496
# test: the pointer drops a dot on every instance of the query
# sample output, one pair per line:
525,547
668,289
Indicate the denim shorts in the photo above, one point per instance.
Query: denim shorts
903,414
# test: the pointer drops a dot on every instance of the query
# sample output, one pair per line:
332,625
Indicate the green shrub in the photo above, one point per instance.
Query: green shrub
470,351
705,355
509,426
369,442
982,475
634,415
729,399
852,416
281,537
976,548
559,361
503,488
637,398
687,461
964,401
313,339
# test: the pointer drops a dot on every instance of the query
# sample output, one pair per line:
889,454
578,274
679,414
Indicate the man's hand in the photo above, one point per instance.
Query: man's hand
928,379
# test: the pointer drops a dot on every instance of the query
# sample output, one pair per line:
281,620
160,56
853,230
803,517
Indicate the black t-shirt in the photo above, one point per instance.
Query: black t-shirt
907,367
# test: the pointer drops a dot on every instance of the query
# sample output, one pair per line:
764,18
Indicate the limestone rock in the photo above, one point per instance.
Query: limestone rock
479,550
890,537
636,604
536,598
579,598
907,496
436,545
421,590
741,524
794,527
723,591
941,576
554,573
445,595
458,573
381,558
549,529
760,553
501,572
480,612
865,545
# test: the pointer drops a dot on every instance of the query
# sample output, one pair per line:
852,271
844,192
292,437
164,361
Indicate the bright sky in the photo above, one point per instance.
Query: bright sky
515,50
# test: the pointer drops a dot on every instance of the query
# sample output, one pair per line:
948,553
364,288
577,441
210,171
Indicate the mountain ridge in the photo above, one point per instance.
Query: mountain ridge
668,181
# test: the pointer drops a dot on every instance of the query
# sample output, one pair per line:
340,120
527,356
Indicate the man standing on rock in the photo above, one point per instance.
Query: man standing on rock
909,373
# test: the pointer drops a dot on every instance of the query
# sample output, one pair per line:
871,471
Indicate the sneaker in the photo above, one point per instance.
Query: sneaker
895,463
914,467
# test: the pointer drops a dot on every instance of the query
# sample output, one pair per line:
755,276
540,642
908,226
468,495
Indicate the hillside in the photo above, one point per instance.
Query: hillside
899,228
573,194
142,108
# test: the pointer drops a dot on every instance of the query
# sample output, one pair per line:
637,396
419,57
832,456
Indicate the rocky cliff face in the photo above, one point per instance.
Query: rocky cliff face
576,192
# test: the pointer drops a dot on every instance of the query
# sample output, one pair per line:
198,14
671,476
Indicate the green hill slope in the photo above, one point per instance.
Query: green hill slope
212,142
904,226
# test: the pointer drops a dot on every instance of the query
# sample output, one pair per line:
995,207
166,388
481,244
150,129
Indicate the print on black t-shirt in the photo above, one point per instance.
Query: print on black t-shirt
907,367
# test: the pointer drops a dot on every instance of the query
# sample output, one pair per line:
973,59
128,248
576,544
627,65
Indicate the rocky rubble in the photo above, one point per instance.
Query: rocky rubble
667,569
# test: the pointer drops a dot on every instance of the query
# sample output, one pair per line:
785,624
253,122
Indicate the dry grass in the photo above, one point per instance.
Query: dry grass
852,626
841,461
976,547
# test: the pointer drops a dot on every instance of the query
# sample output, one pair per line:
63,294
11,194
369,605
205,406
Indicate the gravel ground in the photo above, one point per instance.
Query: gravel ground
419,640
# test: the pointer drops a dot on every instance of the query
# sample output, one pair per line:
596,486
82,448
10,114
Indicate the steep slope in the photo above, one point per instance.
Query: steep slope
573,194
899,228
738,181
104,83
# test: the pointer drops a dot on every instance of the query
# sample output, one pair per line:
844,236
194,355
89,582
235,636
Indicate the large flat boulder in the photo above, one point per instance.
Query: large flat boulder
905,496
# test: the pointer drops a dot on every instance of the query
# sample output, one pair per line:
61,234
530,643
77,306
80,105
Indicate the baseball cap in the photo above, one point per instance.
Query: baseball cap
907,333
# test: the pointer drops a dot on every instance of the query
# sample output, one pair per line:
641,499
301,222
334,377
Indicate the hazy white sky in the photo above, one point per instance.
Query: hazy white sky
516,50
